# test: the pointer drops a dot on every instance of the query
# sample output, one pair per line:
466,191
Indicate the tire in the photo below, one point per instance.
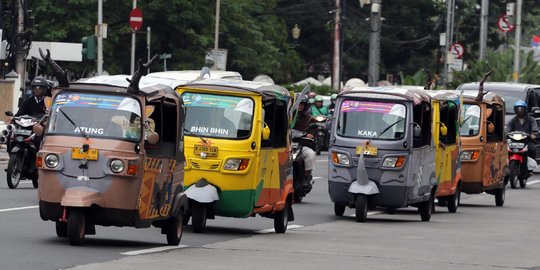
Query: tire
339,210
185,218
35,181
453,201
281,219
522,183
514,170
319,146
426,209
76,225
361,208
298,198
174,230
198,217
391,210
61,229
500,196
13,174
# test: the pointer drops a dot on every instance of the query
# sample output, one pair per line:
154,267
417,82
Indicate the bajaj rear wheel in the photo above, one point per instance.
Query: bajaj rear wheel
281,218
174,230
76,224
14,170
339,210
61,229
361,208
499,196
198,217
426,209
453,201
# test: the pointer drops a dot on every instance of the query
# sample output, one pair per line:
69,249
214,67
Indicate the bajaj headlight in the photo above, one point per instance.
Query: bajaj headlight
117,166
51,160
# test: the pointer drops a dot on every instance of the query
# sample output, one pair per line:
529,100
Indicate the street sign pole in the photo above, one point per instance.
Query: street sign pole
164,57
216,34
132,69
517,48
100,39
483,29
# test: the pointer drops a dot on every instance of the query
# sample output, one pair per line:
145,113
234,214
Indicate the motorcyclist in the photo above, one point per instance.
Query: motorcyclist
332,105
302,124
35,106
524,123
319,109
311,101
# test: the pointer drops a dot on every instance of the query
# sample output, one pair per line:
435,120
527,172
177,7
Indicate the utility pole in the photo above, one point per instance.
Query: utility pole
375,43
148,31
132,70
19,52
100,38
517,49
216,33
336,57
483,29
449,37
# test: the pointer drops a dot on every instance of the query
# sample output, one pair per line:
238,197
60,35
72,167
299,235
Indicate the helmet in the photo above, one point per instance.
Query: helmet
318,99
333,97
39,81
520,103
304,99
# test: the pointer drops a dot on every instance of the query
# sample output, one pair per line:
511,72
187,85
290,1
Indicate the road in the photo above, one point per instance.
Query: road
479,236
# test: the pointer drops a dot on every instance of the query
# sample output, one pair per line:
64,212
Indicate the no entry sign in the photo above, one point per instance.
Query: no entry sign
135,19
504,24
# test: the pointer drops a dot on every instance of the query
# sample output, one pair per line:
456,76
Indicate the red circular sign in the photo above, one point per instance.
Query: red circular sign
135,19
504,24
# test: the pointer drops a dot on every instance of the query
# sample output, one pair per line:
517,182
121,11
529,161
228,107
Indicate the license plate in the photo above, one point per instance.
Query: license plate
367,150
77,153
211,151
516,145
22,132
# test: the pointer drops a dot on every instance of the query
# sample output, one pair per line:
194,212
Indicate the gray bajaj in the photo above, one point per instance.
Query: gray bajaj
382,152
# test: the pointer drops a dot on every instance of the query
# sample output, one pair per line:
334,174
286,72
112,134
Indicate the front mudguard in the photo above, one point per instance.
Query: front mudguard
81,197
369,188
202,192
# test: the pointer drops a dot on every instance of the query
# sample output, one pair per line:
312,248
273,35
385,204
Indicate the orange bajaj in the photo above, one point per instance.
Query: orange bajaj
109,159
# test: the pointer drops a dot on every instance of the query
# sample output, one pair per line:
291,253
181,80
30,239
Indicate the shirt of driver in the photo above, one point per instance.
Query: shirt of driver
32,106
303,120
528,126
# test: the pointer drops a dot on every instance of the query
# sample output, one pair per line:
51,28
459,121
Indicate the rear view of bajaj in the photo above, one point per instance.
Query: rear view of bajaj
484,156
112,156
446,113
382,151
237,147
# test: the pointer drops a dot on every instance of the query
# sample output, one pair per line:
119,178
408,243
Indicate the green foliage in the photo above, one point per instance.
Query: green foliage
320,90
502,64
419,78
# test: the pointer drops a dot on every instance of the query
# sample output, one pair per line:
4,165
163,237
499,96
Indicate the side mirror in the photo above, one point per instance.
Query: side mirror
38,129
417,131
265,132
490,127
9,113
444,129
535,110
152,138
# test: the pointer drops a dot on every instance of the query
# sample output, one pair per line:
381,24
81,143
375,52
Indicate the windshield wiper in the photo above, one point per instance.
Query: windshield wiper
200,137
73,123
388,128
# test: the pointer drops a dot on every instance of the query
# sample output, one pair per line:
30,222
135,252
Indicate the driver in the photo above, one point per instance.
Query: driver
35,106
318,109
524,123
302,124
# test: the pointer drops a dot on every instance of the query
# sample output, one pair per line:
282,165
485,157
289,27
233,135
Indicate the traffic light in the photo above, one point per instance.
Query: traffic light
89,47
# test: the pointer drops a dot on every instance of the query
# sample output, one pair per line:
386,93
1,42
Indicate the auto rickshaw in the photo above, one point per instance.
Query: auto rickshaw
238,151
446,113
382,151
112,155
484,156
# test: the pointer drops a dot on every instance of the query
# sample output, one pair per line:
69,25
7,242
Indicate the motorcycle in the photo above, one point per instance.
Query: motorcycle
19,138
301,182
321,137
518,158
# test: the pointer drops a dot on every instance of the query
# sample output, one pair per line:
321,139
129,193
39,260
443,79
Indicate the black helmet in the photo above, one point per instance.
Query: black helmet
304,99
39,81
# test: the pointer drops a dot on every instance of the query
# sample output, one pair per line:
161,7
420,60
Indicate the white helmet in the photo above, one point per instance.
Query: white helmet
245,105
130,105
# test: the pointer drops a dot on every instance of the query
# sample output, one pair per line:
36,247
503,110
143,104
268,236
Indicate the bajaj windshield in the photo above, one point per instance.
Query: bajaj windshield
96,115
368,119
471,120
218,116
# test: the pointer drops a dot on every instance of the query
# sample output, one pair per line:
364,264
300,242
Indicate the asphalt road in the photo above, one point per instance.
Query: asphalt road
479,236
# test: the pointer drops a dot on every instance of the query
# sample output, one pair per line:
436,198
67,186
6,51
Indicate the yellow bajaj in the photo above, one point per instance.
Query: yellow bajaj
237,147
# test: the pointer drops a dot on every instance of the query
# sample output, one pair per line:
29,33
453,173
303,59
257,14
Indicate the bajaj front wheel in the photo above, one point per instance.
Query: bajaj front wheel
76,225
14,170
361,208
61,229
174,230
426,209
198,217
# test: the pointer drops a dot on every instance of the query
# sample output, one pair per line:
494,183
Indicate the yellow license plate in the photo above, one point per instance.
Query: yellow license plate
367,150
211,151
77,153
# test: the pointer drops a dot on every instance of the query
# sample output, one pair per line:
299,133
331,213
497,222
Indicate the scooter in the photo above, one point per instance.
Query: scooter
19,138
301,182
322,134
517,158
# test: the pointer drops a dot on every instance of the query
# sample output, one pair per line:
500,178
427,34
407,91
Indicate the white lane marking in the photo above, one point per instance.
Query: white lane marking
370,213
533,182
322,160
18,208
316,177
152,250
290,227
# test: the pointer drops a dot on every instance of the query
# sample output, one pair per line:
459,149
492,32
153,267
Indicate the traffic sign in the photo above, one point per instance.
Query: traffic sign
504,24
458,50
135,19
